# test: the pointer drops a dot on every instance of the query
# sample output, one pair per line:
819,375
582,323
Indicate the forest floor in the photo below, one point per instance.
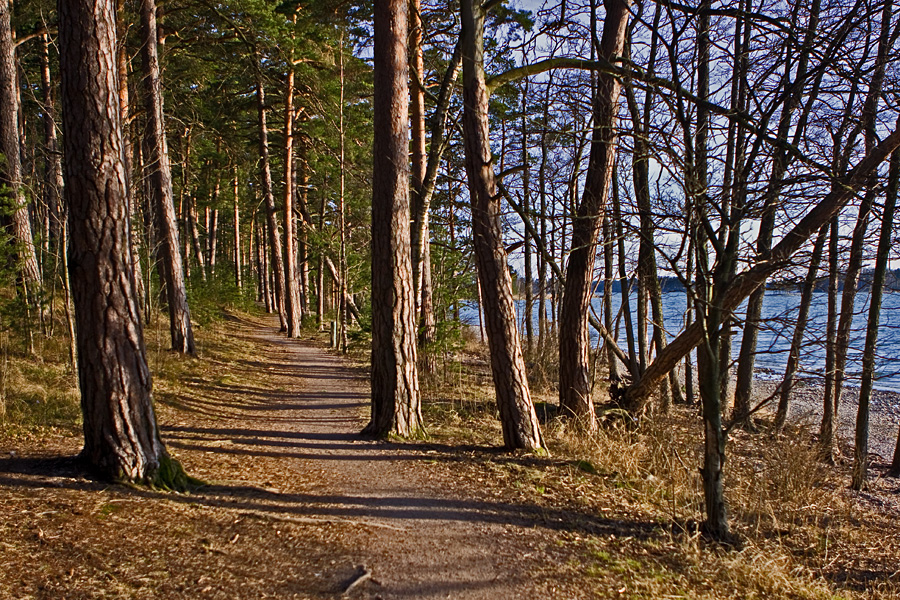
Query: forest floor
297,505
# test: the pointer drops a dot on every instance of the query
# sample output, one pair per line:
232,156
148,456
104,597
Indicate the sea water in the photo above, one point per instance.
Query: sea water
780,309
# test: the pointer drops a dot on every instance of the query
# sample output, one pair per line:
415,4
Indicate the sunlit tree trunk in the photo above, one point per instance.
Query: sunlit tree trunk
277,264
395,399
160,179
238,261
291,287
517,414
121,436
575,398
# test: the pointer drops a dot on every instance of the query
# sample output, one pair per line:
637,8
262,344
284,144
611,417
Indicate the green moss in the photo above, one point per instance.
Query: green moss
171,476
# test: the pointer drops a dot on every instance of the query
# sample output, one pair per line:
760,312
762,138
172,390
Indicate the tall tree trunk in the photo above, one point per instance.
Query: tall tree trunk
305,225
121,436
421,267
854,264
237,234
826,429
612,361
291,289
342,215
861,447
53,167
575,398
268,196
160,179
134,208
396,407
11,168
792,95
517,414
526,209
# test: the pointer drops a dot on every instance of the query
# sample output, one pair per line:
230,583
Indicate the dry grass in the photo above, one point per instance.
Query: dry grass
803,534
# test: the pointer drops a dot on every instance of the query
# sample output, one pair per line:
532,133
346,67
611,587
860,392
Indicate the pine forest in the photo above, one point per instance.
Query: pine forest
477,299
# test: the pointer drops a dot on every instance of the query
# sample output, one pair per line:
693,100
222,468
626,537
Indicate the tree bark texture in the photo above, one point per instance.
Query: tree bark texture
11,168
395,400
517,415
268,196
160,179
237,233
291,291
121,436
575,398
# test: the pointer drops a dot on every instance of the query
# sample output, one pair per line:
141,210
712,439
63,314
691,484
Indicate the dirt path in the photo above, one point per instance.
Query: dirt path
298,504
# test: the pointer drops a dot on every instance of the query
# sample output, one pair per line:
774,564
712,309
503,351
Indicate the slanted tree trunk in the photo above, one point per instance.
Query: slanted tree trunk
194,229
396,407
160,180
517,414
121,436
740,286
11,167
826,429
575,398
269,198
854,263
793,360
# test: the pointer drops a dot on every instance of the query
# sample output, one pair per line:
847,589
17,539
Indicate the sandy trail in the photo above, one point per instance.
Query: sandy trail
399,513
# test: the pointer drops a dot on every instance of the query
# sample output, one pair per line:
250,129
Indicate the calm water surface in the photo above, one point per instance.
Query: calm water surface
780,311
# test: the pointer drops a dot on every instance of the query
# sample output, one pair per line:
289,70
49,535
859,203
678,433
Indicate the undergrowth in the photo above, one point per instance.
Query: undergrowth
802,533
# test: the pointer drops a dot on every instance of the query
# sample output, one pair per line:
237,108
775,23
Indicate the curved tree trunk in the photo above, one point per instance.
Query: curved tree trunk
160,179
396,406
121,437
517,414
575,399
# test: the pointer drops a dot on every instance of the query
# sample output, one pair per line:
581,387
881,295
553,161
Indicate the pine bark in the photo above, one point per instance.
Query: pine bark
291,291
276,261
121,436
575,398
517,414
395,399
160,180
237,234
